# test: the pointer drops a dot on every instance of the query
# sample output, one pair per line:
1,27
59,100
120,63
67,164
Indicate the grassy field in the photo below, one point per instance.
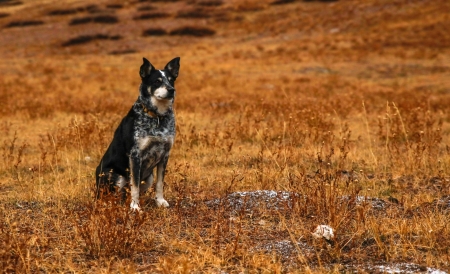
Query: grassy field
342,109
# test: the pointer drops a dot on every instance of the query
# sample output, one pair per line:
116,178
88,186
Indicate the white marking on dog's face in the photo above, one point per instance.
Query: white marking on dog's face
160,93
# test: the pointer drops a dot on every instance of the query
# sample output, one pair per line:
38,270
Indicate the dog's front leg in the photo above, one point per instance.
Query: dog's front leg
135,174
160,170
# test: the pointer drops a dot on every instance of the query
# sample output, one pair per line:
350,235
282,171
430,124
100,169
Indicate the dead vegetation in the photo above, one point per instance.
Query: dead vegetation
101,19
193,31
151,15
290,115
10,3
82,39
154,32
194,13
25,23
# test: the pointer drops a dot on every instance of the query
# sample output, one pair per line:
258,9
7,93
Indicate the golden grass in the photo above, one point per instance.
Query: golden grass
332,101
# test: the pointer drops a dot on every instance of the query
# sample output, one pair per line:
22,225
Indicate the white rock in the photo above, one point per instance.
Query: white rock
324,231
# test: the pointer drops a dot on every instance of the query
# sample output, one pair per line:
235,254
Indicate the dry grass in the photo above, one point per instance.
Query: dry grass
327,101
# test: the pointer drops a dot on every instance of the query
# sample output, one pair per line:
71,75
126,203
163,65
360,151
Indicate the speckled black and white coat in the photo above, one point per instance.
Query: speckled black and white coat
143,140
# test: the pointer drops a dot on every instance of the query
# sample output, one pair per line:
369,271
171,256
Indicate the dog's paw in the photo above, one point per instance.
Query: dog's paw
134,206
161,202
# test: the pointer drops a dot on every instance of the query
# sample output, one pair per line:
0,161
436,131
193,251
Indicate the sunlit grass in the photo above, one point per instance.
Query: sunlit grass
329,107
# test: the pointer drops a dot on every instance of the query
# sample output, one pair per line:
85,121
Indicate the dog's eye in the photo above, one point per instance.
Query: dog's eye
158,81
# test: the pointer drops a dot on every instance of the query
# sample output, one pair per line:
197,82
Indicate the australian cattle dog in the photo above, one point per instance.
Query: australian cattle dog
144,137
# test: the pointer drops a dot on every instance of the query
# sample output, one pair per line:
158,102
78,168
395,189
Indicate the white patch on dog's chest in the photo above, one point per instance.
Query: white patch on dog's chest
161,105
144,142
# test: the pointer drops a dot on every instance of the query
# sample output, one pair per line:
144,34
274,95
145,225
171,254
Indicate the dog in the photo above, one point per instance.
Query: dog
143,139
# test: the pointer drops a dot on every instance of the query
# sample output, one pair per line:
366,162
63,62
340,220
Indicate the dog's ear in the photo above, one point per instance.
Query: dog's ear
146,68
173,66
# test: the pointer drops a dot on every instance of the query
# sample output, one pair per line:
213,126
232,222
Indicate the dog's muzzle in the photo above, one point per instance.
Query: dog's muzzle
170,93
164,93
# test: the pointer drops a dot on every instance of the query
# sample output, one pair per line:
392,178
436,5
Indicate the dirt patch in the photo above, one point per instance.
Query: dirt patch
392,268
250,201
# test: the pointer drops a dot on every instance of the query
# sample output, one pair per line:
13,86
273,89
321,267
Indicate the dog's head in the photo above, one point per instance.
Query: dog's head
158,86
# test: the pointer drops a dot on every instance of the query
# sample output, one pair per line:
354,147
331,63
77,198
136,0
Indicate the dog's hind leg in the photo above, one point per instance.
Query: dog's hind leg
161,168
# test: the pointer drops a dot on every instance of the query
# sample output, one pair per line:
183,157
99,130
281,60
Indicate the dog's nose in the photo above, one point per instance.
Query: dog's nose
170,91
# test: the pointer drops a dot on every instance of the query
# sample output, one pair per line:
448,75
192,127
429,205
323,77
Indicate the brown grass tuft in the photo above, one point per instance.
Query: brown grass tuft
108,228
